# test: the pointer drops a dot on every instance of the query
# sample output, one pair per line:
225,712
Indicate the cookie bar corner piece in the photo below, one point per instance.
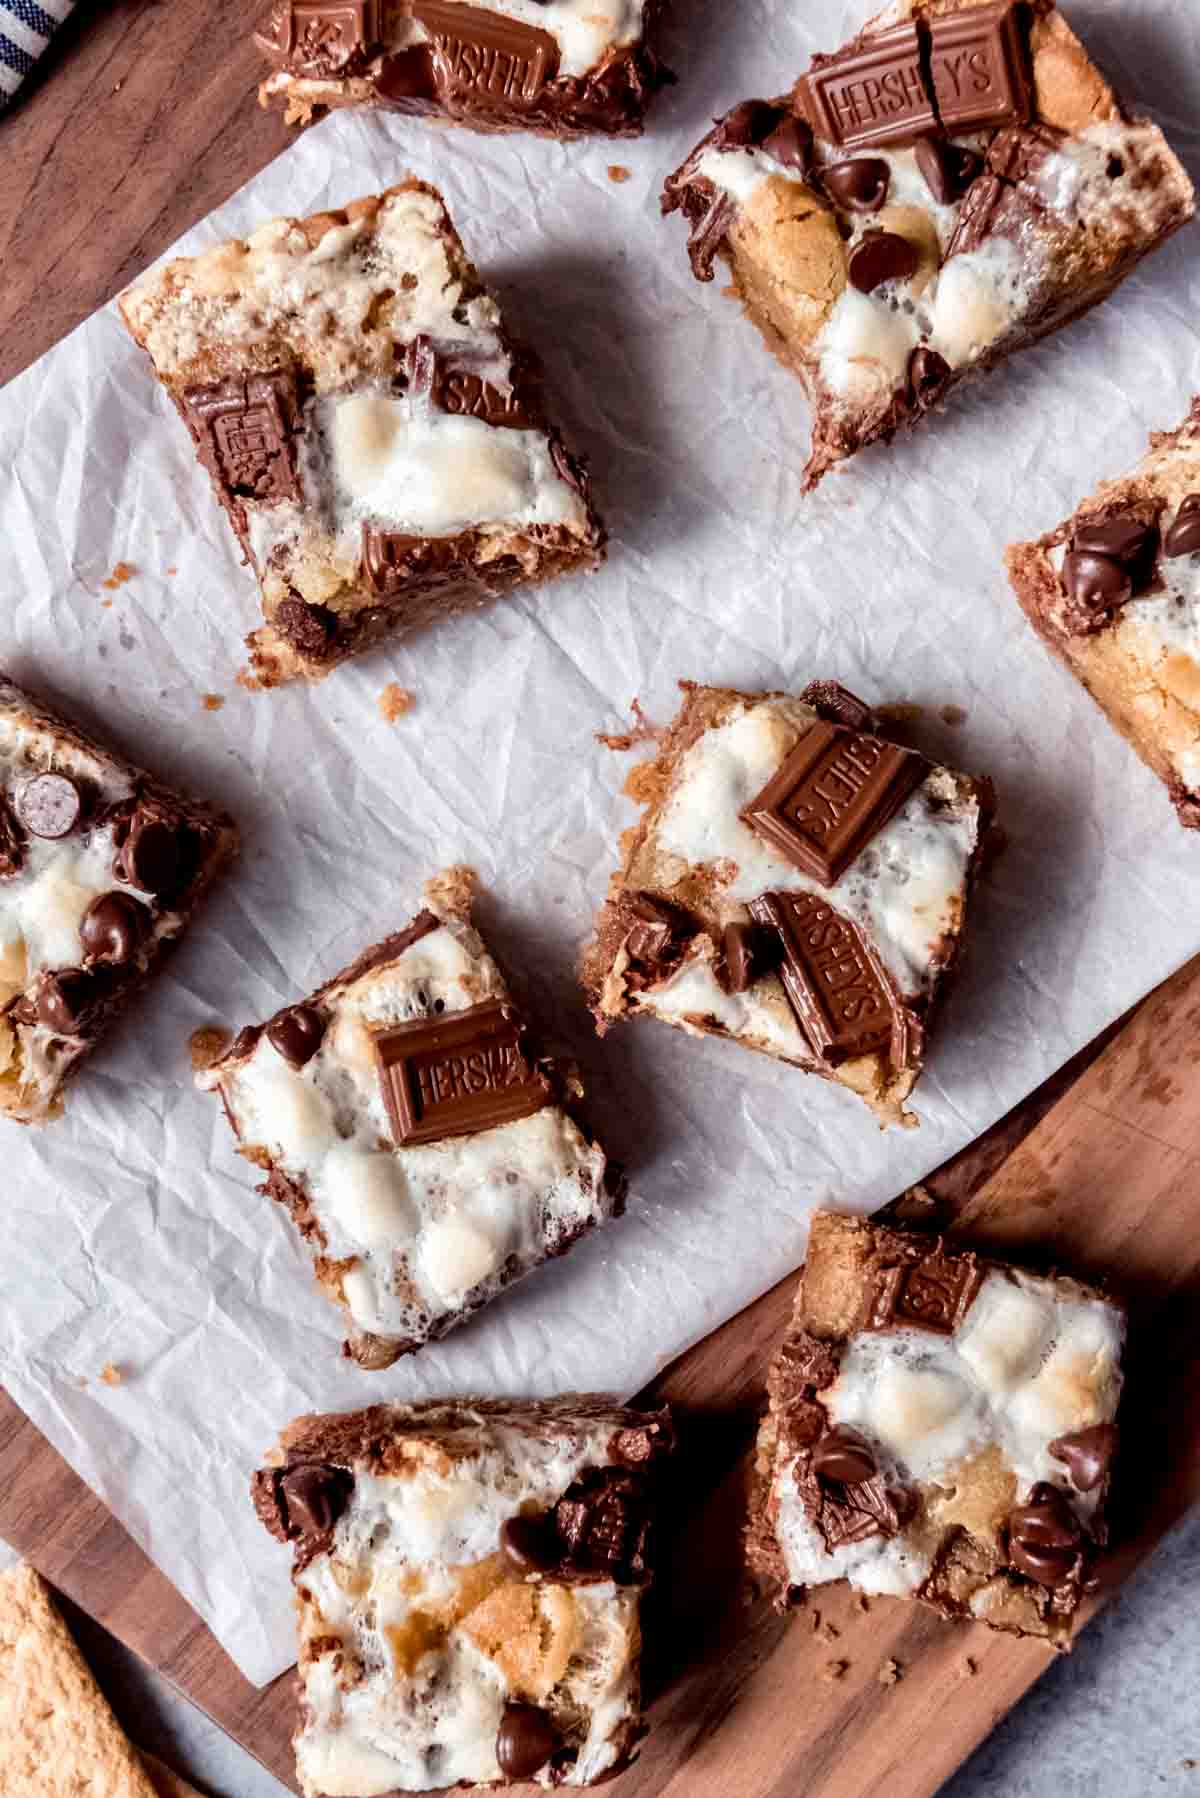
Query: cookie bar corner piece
950,186
940,1427
565,68
468,1580
798,883
426,1152
1114,593
101,869
376,438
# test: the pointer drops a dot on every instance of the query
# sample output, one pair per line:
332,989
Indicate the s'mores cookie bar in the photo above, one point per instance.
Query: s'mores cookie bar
101,868
949,187
798,882
374,434
941,1427
427,1155
1114,593
468,1584
565,68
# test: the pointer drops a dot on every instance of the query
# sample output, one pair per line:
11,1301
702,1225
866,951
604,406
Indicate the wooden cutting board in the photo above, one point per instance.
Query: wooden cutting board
142,122
1101,1171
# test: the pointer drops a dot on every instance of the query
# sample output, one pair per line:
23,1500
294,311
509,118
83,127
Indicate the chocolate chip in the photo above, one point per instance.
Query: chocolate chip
748,952
408,75
791,144
748,125
881,256
1044,1536
1122,538
49,805
310,629
1087,1454
859,186
947,169
1183,538
525,1741
530,1544
65,1000
315,1497
844,1456
1096,584
296,1034
151,854
928,376
112,928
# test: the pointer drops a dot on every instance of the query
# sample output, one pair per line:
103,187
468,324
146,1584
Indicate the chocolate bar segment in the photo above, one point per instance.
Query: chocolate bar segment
102,868
940,1426
426,1155
815,919
951,186
572,69
381,448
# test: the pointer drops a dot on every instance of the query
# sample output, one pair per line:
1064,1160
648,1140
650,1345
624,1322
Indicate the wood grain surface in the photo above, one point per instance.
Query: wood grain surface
140,122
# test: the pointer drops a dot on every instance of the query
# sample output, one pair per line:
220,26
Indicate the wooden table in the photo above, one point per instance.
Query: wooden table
144,123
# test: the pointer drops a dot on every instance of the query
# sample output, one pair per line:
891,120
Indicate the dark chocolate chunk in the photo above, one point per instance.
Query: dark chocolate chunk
1120,536
49,805
881,256
530,1544
656,933
12,844
1045,1537
747,953
296,1034
874,94
748,125
66,1001
947,169
928,377
837,988
844,1514
603,1522
113,928
308,628
808,1361
1183,538
978,61
842,1455
486,57
838,705
1087,1454
860,185
525,1741
315,1497
833,794
408,77
457,1074
791,143
150,854
709,232
934,1290
1096,585
244,430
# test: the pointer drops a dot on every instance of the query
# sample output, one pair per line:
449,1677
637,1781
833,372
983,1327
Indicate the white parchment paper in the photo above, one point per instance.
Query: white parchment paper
132,1233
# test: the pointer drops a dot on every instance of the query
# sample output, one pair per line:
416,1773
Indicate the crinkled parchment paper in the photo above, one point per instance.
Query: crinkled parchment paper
132,1232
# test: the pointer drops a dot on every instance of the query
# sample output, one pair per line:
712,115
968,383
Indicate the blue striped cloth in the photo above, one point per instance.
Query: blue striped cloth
26,27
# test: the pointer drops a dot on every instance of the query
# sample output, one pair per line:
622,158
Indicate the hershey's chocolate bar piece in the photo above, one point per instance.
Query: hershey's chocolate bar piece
327,38
836,789
485,55
243,429
467,395
838,990
392,561
458,1074
934,1291
961,71
978,63
874,95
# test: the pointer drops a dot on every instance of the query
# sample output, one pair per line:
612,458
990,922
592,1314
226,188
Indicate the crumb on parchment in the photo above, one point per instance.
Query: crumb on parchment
207,1044
619,173
124,571
212,702
111,1374
395,701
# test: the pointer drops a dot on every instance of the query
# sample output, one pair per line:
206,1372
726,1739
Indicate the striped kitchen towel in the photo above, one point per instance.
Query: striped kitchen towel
26,27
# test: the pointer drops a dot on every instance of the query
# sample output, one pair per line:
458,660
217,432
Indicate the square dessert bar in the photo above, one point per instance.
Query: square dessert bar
1115,594
375,436
101,867
940,1427
468,1583
952,185
798,883
426,1153
566,68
